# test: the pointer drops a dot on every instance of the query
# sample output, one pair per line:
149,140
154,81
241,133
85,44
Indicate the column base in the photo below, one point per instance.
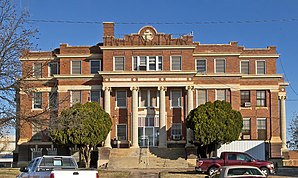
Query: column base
189,145
134,146
162,146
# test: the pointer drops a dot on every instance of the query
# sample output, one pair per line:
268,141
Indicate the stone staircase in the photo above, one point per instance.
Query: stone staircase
149,158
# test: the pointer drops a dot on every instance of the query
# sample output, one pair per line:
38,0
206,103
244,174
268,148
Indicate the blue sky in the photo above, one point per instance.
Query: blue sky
256,33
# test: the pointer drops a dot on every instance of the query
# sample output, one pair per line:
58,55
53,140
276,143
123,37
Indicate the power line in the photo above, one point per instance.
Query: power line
169,23
282,67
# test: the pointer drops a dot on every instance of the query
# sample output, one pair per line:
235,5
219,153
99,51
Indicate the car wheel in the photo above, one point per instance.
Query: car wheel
211,170
265,171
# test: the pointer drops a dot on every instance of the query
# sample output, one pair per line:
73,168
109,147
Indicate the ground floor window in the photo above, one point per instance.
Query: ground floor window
262,128
176,131
121,132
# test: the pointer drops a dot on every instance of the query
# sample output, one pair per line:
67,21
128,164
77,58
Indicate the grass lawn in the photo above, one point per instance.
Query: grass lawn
13,172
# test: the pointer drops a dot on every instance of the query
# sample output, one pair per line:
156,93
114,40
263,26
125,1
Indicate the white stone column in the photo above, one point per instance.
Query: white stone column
135,136
162,118
283,123
189,132
107,107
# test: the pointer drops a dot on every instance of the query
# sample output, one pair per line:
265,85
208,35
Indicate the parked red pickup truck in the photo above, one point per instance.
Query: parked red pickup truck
210,165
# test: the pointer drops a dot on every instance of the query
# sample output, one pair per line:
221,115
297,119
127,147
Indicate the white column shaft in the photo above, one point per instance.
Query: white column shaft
283,122
162,119
107,108
135,142
189,133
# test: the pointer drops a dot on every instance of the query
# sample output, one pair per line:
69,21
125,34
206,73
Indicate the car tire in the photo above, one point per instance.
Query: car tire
265,170
211,170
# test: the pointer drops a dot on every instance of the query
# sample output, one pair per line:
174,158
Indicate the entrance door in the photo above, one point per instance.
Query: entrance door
148,131
148,136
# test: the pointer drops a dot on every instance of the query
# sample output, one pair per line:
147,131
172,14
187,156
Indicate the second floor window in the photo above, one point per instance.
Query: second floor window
147,63
245,98
261,98
221,95
176,97
176,63
244,67
220,66
201,65
121,98
76,97
261,67
76,67
37,100
119,63
95,66
37,70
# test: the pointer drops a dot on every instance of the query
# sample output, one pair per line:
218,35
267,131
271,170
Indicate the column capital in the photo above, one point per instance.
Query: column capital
107,89
282,97
134,88
190,87
164,88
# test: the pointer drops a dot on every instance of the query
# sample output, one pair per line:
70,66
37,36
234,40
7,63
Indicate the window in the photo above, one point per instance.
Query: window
36,132
37,70
148,98
95,95
246,129
221,95
120,98
261,67
121,132
176,131
147,63
201,66
262,128
220,66
261,98
119,64
76,67
95,66
176,98
245,98
53,68
53,100
244,67
201,97
76,97
37,100
176,63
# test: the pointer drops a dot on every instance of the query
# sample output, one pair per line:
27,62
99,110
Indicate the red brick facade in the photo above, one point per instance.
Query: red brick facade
156,47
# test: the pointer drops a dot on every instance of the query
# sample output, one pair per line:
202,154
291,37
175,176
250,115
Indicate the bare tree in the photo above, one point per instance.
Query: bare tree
15,37
293,130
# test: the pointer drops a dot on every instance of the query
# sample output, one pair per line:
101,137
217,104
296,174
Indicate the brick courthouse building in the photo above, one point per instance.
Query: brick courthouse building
148,81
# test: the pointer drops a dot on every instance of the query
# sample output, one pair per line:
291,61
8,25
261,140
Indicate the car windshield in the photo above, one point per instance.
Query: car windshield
57,162
243,171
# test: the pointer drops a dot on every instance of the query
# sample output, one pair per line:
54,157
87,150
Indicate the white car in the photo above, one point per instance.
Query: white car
238,172
55,167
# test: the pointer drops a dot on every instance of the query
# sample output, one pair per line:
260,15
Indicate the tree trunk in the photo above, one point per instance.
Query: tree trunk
87,155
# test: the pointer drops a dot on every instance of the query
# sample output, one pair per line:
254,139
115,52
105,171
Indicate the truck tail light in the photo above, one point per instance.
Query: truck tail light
97,175
200,163
52,175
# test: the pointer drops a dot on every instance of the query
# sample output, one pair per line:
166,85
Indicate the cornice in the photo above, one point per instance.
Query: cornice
66,76
148,47
260,56
37,58
79,55
215,54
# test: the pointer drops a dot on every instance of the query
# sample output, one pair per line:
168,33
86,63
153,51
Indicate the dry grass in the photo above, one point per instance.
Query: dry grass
9,172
